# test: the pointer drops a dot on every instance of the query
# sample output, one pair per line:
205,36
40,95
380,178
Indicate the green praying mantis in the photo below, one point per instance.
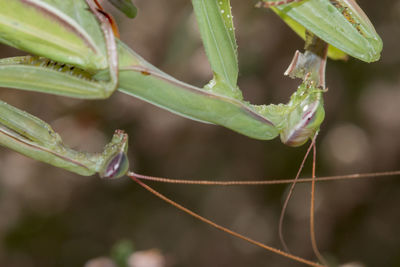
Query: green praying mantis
76,54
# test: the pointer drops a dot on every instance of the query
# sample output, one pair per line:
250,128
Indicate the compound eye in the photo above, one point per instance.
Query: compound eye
311,119
117,167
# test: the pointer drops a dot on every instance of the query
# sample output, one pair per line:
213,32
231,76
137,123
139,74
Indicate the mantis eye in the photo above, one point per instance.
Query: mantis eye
303,124
117,166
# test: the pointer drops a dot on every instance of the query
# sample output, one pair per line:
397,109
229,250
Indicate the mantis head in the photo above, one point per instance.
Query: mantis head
305,115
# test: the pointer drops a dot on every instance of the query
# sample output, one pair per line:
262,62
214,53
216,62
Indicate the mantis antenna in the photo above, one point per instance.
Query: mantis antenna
132,175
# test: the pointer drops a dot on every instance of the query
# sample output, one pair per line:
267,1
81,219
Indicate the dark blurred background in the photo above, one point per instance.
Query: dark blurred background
50,217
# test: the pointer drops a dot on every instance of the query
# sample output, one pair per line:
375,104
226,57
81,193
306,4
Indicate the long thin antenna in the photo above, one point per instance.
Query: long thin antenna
224,229
312,212
266,182
285,204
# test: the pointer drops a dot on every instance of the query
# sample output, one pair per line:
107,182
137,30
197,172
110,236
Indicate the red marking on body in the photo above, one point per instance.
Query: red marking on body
109,18
144,72
98,5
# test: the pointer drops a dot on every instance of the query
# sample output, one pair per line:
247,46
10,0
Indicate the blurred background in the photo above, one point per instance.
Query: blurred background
50,217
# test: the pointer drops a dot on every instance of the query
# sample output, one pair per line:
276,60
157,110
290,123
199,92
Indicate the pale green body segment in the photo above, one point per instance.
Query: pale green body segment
197,104
340,23
84,73
64,31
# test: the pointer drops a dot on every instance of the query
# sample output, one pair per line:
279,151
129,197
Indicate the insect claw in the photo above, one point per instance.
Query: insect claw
116,160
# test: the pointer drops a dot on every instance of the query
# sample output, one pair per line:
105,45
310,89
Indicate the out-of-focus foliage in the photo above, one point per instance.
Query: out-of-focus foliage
50,217
126,6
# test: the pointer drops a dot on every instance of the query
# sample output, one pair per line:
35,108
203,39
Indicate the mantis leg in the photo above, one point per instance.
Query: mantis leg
219,102
32,137
49,76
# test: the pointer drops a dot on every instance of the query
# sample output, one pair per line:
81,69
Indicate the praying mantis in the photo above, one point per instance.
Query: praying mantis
221,98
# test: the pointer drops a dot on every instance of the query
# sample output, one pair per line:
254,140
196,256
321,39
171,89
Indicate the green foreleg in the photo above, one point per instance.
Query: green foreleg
46,76
34,138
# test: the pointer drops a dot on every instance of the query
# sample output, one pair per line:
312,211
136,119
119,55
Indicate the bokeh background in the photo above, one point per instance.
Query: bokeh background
50,217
